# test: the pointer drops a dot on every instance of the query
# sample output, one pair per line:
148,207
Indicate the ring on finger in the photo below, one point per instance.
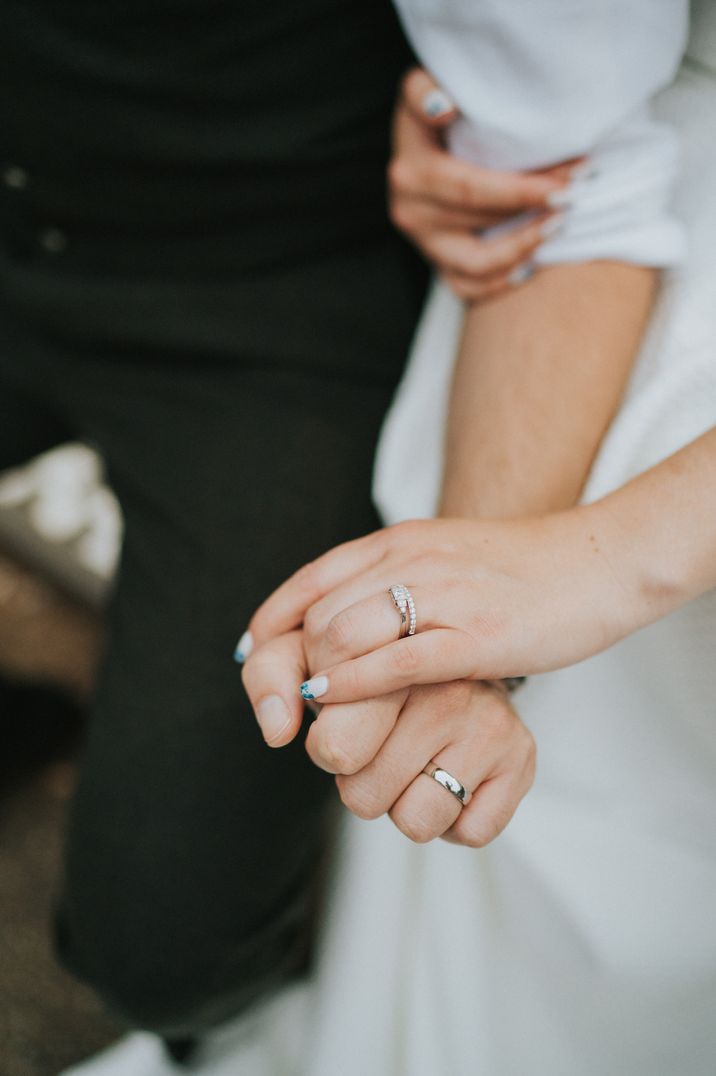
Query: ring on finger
449,782
405,605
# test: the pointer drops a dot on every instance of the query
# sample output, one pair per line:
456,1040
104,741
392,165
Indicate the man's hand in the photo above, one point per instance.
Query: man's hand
443,204
378,748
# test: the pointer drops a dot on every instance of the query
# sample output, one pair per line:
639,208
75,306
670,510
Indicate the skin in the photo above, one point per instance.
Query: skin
442,204
538,379
538,401
504,598
507,453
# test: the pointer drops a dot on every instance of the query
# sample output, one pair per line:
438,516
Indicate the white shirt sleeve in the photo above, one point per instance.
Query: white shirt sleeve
541,81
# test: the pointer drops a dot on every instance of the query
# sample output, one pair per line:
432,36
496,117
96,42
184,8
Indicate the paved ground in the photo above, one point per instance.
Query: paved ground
46,1020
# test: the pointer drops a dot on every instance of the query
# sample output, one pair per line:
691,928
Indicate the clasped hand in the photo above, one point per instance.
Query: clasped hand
492,599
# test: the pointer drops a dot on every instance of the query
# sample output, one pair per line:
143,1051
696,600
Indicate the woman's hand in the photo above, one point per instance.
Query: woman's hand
493,599
444,204
379,748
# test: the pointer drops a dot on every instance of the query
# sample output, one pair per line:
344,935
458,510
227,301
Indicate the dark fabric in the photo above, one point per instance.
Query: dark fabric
181,1050
221,307
193,848
239,133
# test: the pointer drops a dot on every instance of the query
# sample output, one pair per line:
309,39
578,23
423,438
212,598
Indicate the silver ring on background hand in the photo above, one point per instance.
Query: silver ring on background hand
406,607
448,782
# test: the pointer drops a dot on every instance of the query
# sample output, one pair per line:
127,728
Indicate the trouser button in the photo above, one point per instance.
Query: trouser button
53,240
15,177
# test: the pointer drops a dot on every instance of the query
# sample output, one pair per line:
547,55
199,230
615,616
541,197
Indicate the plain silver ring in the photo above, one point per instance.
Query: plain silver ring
449,783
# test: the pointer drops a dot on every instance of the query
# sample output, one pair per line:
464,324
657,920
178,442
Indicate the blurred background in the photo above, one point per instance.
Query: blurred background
60,531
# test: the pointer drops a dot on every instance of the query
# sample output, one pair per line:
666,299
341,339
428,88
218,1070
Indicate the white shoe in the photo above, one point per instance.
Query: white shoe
138,1054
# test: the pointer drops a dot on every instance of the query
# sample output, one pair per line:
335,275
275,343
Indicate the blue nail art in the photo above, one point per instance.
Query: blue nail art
314,688
244,647
436,103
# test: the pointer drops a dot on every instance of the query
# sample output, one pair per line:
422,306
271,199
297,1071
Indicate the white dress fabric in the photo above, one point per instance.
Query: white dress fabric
547,80
583,941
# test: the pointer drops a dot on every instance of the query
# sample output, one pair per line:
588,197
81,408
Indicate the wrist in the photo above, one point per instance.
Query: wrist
650,579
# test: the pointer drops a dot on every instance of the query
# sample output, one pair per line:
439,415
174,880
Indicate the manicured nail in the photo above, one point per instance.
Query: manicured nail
273,717
520,274
551,226
244,647
313,689
436,103
585,170
561,199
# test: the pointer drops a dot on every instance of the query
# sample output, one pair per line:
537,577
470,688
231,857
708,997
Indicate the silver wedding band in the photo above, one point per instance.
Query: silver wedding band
405,605
450,783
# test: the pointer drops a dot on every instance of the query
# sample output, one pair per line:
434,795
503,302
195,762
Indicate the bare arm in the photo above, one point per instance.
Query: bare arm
540,373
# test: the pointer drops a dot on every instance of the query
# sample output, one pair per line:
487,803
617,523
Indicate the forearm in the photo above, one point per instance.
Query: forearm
658,531
538,379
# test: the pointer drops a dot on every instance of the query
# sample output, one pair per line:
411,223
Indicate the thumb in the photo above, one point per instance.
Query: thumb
271,676
426,100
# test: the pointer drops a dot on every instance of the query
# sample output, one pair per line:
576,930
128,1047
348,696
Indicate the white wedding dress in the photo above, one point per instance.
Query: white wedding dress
583,941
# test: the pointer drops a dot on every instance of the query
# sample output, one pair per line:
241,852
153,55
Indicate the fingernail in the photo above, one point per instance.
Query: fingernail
521,273
585,170
437,103
313,689
551,226
273,717
244,647
561,199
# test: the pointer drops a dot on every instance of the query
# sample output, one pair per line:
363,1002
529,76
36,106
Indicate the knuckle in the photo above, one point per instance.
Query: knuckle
352,680
413,825
314,623
327,748
247,677
463,192
407,530
412,81
259,669
459,287
424,559
401,175
488,624
476,833
475,265
360,798
481,261
405,659
339,633
497,719
402,215
494,289
308,576
432,180
403,538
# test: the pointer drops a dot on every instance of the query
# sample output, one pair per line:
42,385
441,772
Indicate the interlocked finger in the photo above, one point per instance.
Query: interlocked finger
418,734
346,737
373,622
491,808
427,809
